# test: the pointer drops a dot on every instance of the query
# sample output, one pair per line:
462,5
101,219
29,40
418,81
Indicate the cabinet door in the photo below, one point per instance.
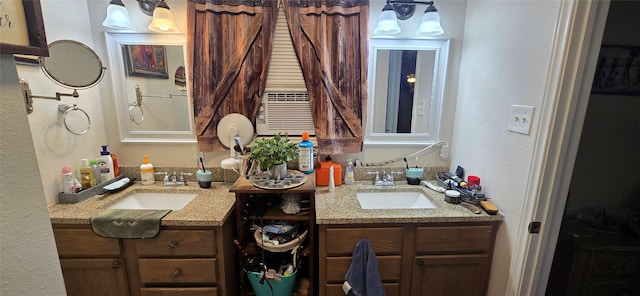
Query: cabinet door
96,277
450,275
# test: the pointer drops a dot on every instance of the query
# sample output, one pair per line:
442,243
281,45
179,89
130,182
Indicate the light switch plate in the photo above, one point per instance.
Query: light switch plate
520,119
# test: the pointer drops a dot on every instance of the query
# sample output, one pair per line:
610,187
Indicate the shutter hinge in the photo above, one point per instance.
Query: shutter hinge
534,227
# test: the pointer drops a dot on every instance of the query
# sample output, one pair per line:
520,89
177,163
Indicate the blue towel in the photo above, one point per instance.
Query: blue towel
363,276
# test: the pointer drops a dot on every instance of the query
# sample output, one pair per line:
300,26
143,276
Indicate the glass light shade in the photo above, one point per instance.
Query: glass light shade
162,21
117,17
387,23
430,25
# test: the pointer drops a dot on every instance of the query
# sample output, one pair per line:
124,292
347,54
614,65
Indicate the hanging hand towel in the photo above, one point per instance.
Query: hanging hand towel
121,223
363,278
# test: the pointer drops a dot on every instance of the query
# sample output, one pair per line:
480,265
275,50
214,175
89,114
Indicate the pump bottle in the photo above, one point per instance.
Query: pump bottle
349,178
105,162
146,172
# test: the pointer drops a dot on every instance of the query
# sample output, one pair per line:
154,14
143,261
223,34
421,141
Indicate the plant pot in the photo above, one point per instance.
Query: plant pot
278,171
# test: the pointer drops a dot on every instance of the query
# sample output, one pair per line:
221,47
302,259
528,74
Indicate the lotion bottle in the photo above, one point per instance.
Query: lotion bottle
69,184
105,162
146,172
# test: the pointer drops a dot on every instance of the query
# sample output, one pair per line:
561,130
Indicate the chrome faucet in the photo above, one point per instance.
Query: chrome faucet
173,179
387,179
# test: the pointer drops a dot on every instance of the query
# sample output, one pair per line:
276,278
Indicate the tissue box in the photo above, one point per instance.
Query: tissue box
322,173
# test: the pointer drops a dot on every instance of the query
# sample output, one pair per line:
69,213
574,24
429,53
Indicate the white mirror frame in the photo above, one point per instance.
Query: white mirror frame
114,42
434,105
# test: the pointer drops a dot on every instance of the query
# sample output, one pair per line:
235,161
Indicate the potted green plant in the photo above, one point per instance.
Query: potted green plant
272,154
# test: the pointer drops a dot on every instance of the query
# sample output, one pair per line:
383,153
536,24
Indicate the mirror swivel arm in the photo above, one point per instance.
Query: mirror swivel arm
28,97
139,96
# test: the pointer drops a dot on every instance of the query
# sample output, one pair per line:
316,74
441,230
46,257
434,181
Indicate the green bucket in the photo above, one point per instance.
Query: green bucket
271,287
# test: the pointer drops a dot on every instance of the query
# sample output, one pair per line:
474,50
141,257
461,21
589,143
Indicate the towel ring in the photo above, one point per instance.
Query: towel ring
132,117
66,109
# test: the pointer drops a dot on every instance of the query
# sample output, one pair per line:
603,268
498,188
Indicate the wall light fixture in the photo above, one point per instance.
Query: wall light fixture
118,16
162,19
396,10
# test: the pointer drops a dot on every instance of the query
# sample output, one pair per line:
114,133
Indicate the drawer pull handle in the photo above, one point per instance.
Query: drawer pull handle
173,244
115,265
177,272
419,262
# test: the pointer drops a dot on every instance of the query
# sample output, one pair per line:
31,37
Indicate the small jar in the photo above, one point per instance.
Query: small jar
452,196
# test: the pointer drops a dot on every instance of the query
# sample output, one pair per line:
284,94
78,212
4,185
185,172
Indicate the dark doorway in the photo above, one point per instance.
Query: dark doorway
598,248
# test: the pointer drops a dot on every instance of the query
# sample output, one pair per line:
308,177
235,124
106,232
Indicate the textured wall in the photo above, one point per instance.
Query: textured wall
28,258
506,55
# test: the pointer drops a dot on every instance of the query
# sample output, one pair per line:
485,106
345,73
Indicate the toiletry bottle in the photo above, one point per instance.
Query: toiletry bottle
332,182
305,154
105,162
96,171
69,183
349,178
86,175
146,172
116,169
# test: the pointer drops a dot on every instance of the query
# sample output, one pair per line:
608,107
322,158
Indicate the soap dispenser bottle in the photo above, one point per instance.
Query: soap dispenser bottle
105,162
146,172
349,177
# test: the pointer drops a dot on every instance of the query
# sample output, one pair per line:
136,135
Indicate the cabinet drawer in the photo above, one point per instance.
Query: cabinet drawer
194,271
388,267
179,291
83,242
392,289
384,240
457,239
178,243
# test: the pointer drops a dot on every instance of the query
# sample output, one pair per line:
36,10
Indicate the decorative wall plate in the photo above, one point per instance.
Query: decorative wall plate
293,179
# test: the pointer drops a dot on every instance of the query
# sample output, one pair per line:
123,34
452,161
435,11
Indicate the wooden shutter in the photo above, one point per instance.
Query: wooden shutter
330,40
230,45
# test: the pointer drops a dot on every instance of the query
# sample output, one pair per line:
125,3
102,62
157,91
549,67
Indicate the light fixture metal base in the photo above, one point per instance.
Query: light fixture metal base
404,11
147,6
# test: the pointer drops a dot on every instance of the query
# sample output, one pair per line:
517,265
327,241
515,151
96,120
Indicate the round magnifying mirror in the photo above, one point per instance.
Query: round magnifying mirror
72,64
181,80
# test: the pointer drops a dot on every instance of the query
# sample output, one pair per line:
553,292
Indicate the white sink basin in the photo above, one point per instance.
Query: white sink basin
394,200
154,201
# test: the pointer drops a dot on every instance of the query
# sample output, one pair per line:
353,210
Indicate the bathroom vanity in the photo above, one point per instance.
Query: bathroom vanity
191,255
445,250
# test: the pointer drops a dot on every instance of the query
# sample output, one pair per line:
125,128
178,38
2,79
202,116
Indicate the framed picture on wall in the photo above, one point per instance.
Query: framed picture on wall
22,28
618,70
146,61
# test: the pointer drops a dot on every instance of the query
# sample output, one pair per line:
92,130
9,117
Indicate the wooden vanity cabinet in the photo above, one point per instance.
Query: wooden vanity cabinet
91,265
413,259
178,261
452,259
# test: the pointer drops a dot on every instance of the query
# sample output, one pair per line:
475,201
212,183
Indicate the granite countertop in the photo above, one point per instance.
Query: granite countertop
211,207
342,207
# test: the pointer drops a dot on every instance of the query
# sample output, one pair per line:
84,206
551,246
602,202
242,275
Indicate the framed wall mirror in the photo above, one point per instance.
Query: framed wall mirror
152,100
406,90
